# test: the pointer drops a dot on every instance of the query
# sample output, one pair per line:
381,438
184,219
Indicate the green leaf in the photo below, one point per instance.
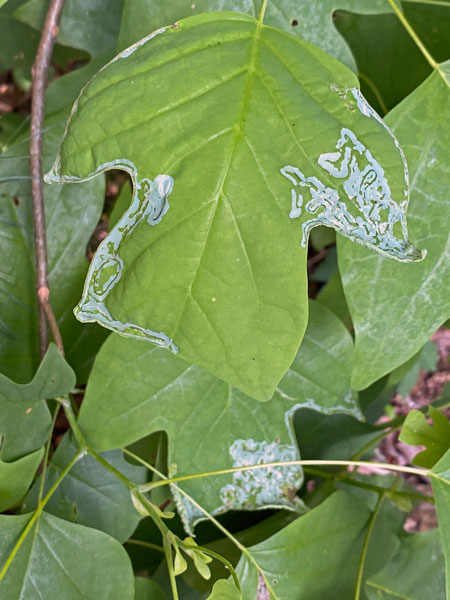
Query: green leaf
146,589
16,477
135,389
416,431
24,417
91,25
440,483
89,494
415,572
211,288
310,21
72,561
396,308
225,589
316,556
71,215
407,375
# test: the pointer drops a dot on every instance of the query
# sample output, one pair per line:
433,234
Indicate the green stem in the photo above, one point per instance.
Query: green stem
365,548
230,536
47,452
413,34
37,513
262,12
288,463
223,560
146,545
168,552
366,486
70,416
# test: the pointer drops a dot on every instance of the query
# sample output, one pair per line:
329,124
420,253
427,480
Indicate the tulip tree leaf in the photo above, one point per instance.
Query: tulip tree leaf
308,20
16,477
89,494
194,273
72,213
65,559
396,308
401,577
135,389
316,556
24,417
440,482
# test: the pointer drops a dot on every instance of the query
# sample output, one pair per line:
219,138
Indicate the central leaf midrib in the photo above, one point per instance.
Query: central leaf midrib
233,147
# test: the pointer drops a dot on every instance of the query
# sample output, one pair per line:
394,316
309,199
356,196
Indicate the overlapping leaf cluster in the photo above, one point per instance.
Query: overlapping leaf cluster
221,102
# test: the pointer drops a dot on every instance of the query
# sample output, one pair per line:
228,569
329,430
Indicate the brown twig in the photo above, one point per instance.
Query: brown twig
39,72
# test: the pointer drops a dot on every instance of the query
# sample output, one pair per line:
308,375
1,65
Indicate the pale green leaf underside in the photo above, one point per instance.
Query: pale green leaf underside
61,559
396,308
311,21
210,112
136,389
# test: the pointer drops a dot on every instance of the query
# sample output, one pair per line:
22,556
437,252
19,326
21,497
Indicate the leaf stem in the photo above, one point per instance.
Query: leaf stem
413,34
262,12
38,512
47,452
365,548
39,77
288,463
168,552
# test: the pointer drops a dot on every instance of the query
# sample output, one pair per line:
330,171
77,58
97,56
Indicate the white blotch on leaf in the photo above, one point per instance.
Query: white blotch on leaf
255,488
372,214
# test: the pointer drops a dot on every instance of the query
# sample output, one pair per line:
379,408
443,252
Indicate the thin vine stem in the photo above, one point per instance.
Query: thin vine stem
39,77
404,21
288,463
38,512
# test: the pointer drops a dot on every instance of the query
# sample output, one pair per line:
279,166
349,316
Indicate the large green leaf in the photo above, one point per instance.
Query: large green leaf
16,477
224,589
415,572
315,557
253,100
24,417
441,488
91,25
136,389
64,560
310,21
89,494
71,215
396,308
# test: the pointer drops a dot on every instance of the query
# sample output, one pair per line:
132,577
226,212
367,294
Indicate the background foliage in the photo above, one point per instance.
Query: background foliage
325,336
